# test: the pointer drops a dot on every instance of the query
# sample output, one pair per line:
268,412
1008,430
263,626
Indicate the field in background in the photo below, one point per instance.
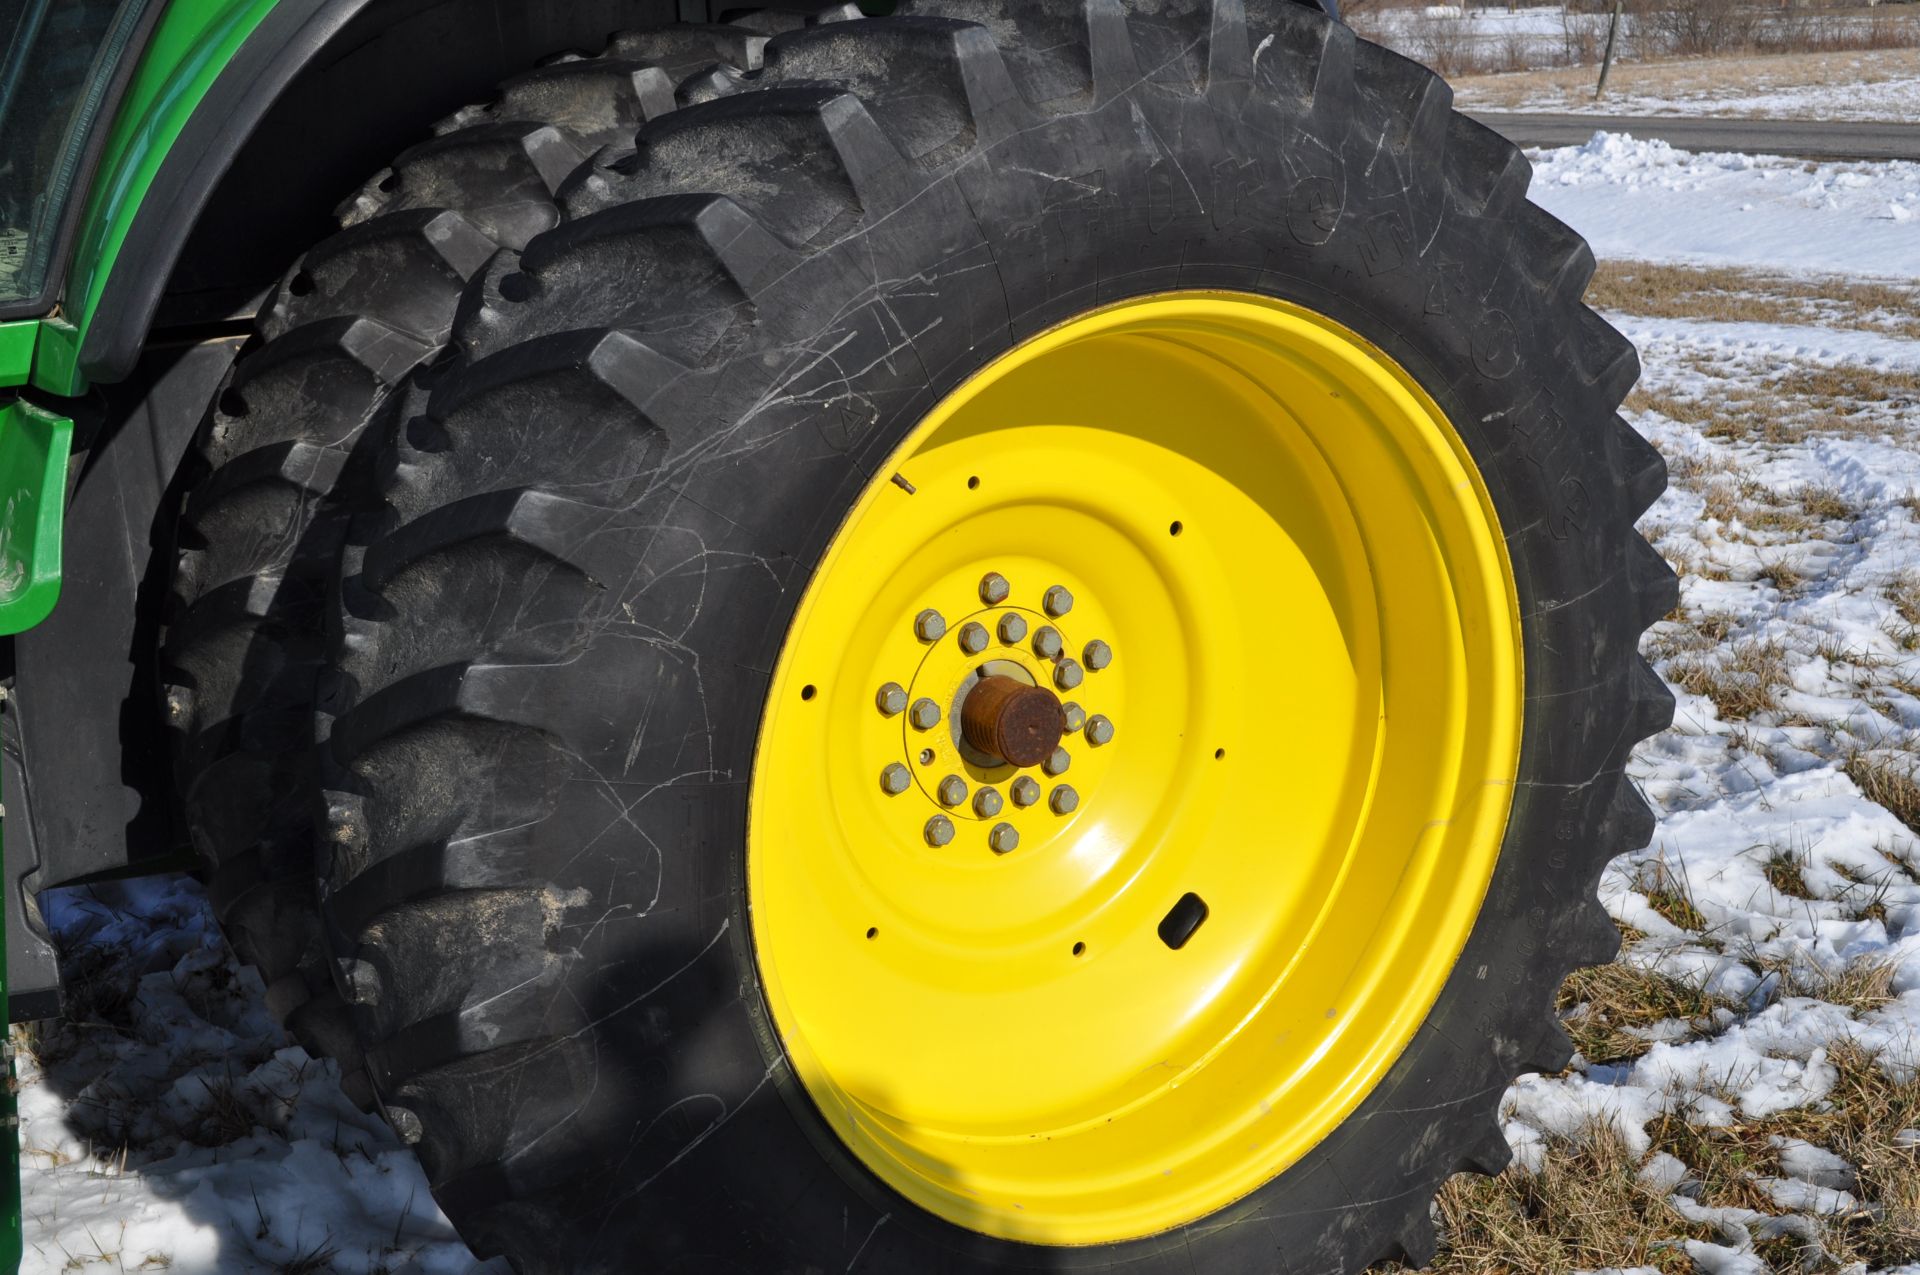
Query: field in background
1478,41
1874,85
1746,1094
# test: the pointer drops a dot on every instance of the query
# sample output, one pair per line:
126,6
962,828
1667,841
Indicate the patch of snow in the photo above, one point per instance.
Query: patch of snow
1646,200
171,1122
1804,1197
1817,1165
1896,98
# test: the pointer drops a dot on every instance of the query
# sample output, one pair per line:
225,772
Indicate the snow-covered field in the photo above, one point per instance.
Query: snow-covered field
1896,99
1646,201
1878,85
173,1126
1772,880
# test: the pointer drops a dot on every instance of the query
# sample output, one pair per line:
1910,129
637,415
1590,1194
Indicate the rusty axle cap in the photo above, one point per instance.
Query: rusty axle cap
1006,718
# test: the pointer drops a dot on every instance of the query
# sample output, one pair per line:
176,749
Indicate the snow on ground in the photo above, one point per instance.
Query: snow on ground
171,1123
1646,200
1794,521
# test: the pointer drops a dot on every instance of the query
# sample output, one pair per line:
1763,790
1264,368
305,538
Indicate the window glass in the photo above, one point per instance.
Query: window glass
55,61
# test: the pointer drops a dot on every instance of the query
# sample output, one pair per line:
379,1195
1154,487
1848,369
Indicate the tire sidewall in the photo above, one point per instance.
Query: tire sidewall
1373,237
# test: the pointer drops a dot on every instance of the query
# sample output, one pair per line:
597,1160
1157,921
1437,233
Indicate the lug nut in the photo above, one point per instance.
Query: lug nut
953,791
1064,800
1099,731
994,588
1047,644
1024,792
986,803
1058,601
1013,629
1004,838
939,831
892,699
1097,655
895,779
930,625
973,639
1067,674
925,714
1076,716
1058,763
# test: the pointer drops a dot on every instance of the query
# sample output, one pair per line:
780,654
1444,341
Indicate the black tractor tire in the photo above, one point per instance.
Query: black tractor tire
591,519
261,527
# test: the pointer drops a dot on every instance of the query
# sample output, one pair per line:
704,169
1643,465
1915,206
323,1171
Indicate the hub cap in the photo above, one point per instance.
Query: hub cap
1240,823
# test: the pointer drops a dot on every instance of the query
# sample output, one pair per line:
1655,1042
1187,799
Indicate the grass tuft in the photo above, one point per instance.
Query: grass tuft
1669,894
1887,779
1600,1007
1745,681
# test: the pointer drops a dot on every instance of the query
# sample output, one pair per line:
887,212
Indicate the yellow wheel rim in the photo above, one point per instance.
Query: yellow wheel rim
1314,704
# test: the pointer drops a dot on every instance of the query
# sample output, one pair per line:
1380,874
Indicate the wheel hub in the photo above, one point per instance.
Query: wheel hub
1010,722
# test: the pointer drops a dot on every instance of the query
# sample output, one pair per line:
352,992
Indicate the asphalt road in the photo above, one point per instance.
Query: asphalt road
1803,139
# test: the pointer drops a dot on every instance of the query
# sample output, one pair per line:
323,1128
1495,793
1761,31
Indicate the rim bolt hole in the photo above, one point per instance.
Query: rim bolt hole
873,932
1079,949
1176,528
926,757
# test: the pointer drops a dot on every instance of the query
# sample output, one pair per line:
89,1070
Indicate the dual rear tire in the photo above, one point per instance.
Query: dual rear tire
550,493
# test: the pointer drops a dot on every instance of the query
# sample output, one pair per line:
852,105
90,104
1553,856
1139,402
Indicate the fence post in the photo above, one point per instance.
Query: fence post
1606,63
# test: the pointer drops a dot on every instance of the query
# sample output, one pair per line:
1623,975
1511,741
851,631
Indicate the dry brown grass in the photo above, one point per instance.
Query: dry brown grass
1745,681
1858,1122
1687,633
1786,872
1599,1006
1669,894
1693,469
1887,778
1860,985
1828,504
1665,290
1586,1208
1688,78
